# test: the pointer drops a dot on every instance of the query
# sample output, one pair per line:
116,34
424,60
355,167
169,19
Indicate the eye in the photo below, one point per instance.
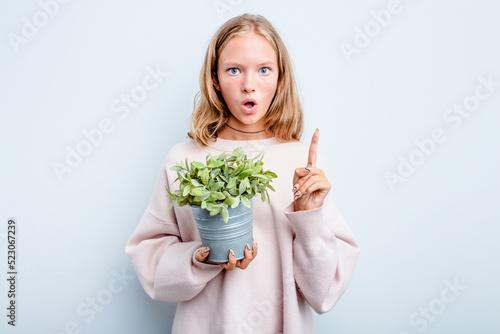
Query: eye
264,70
233,70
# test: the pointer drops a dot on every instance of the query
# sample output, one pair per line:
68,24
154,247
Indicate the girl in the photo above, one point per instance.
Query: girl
306,252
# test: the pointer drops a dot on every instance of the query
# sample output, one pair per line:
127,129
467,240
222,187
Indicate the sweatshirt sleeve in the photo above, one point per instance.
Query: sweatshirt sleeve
324,253
165,265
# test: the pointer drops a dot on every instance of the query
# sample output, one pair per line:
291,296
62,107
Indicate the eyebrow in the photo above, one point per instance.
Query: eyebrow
231,63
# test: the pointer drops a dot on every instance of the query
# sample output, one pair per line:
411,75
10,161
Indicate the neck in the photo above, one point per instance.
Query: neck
235,132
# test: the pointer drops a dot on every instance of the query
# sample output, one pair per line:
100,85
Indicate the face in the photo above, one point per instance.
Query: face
247,78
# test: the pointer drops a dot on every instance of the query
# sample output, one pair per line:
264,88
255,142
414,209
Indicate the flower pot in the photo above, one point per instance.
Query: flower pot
220,236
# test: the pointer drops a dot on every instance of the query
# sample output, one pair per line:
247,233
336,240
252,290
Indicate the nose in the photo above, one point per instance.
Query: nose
248,83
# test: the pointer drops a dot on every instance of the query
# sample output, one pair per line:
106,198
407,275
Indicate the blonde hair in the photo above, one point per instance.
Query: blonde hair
284,117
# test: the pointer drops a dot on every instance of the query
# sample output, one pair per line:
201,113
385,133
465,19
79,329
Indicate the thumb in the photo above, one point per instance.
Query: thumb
202,254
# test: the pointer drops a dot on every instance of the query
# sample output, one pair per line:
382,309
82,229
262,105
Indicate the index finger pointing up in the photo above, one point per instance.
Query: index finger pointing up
313,149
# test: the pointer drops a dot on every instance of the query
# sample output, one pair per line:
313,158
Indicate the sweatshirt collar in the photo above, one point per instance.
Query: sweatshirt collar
256,145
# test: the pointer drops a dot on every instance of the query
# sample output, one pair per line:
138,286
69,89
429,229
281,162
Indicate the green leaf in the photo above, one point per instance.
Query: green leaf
243,187
214,173
234,191
232,183
183,202
218,186
187,189
231,200
236,203
257,157
215,164
237,151
211,184
200,192
201,197
215,209
204,176
176,168
195,183
268,172
257,169
224,213
170,206
238,170
270,187
246,202
217,195
245,173
168,190
198,165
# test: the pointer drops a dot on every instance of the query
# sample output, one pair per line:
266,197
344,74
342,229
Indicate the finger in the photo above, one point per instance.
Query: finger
231,263
202,254
299,175
255,248
313,150
315,184
243,263
304,174
305,188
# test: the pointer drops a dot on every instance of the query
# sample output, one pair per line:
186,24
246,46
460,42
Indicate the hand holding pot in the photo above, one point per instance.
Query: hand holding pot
202,254
310,185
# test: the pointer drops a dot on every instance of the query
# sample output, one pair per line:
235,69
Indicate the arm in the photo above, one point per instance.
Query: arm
324,248
324,254
165,265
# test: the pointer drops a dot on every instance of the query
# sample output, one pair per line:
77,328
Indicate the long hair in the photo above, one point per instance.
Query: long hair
284,117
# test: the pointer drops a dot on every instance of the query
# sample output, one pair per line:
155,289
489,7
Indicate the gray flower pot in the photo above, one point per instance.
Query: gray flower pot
220,236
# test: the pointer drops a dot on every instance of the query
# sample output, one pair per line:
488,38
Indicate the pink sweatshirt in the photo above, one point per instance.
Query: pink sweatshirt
305,258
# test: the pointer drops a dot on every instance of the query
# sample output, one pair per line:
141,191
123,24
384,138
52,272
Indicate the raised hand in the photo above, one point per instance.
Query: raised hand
310,185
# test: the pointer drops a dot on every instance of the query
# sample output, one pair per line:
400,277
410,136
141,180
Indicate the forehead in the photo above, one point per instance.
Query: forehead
248,47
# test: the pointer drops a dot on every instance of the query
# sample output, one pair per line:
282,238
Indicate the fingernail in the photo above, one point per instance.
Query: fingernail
305,194
317,129
205,250
231,253
295,187
256,246
248,247
297,194
306,170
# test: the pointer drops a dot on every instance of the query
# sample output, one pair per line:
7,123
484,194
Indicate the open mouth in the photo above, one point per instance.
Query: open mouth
249,105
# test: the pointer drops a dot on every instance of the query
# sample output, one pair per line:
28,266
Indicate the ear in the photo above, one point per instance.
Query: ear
215,82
